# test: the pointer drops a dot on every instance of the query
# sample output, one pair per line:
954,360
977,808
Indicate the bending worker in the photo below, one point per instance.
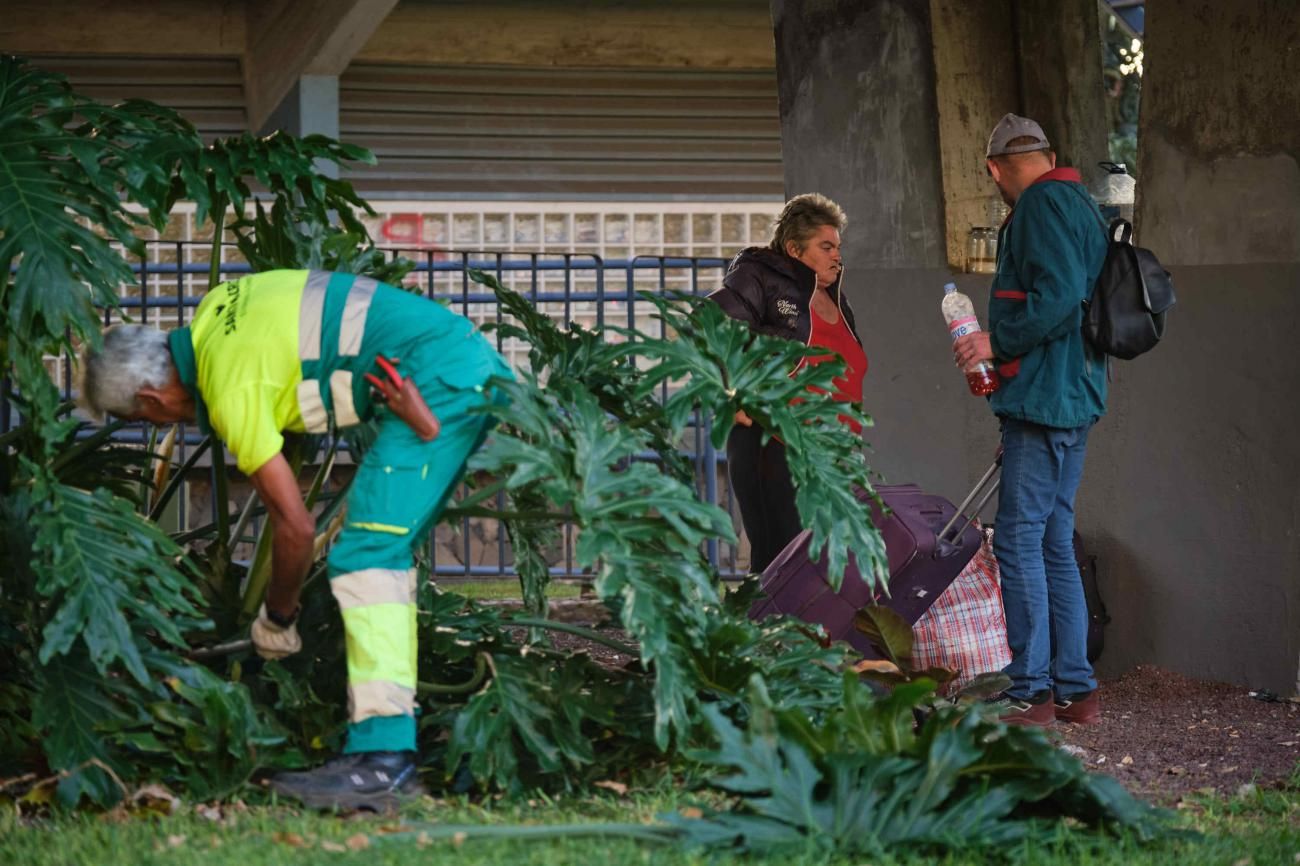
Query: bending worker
299,351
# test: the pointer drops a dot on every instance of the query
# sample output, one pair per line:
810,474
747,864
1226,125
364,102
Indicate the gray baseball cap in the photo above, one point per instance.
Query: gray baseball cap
1013,126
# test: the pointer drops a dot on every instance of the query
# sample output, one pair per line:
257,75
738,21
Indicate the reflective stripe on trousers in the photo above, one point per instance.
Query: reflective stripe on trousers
378,607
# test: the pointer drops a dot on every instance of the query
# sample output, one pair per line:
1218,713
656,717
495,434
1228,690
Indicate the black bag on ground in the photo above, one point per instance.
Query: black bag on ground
1097,616
1125,315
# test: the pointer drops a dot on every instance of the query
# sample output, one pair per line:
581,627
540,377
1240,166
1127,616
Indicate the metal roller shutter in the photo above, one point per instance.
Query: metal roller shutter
508,132
504,132
208,92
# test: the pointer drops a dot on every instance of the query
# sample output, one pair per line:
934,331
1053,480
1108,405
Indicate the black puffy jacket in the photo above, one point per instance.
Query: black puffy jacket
772,293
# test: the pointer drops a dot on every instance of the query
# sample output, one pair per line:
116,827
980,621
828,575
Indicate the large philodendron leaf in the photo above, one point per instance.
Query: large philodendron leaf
214,730
110,574
293,237
74,707
833,783
65,162
720,367
604,369
222,173
543,715
640,530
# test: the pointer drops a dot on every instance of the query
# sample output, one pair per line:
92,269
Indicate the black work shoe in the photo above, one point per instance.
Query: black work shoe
1036,710
375,781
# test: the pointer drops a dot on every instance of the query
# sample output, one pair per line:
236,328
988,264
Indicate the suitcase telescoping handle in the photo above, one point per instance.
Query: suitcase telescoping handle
949,543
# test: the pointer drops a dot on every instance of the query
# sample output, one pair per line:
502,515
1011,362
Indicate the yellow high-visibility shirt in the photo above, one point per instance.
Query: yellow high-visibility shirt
246,347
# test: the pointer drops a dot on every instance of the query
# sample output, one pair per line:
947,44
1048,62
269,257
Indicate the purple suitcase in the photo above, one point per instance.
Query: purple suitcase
921,566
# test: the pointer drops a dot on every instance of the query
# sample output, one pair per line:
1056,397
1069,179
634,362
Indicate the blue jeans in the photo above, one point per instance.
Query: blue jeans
1047,615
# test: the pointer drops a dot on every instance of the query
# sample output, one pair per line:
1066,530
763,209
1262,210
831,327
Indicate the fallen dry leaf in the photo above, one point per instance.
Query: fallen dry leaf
610,785
423,840
691,812
880,666
458,838
155,799
175,841
359,842
293,840
1127,760
334,847
1176,771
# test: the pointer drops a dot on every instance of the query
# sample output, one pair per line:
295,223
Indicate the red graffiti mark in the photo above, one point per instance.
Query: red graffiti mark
407,230
403,228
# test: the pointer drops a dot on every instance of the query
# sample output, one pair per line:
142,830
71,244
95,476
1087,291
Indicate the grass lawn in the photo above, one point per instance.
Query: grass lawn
506,589
1259,829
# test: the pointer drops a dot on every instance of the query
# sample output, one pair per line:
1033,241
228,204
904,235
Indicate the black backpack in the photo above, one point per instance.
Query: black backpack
1125,315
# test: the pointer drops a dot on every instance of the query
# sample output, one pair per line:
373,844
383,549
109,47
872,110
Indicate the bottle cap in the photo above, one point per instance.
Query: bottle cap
949,288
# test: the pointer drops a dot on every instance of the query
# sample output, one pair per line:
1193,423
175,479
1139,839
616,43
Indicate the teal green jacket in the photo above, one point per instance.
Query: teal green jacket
1050,251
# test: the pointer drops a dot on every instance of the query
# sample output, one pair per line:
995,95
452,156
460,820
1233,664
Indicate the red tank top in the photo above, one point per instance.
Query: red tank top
839,339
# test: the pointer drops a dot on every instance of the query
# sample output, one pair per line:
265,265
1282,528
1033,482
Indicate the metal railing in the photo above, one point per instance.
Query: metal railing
570,287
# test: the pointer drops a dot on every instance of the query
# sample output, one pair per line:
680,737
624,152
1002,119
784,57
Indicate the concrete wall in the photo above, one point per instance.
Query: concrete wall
680,34
1058,44
709,34
1194,481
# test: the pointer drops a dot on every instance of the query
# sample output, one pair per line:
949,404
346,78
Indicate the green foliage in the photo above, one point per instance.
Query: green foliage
101,599
98,610
724,367
105,592
863,781
64,163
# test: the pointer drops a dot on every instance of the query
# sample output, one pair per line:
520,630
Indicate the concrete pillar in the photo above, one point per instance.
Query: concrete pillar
977,81
1192,483
859,123
1059,61
311,108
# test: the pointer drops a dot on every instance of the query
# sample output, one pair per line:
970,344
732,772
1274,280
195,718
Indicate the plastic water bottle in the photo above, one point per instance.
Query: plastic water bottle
959,312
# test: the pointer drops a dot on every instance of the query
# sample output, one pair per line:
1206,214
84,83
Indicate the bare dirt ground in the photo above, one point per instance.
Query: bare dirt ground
1166,736
1163,735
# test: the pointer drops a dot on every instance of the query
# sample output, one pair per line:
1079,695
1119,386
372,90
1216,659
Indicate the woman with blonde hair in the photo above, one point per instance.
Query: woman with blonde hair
789,289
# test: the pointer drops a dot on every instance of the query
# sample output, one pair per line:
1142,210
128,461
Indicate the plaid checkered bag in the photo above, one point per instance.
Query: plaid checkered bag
966,628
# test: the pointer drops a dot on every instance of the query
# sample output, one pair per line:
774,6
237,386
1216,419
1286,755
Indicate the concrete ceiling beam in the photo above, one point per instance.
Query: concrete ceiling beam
288,39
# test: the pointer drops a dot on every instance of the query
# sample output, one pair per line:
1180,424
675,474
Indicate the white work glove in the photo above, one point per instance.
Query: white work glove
274,641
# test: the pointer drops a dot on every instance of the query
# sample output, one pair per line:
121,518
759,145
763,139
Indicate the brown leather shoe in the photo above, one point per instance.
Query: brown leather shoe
1037,710
1082,709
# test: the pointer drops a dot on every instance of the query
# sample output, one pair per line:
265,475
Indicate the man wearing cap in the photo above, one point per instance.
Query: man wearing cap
1053,389
309,351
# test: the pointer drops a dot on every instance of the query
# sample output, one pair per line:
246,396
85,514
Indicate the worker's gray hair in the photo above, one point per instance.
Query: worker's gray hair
132,357
802,216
